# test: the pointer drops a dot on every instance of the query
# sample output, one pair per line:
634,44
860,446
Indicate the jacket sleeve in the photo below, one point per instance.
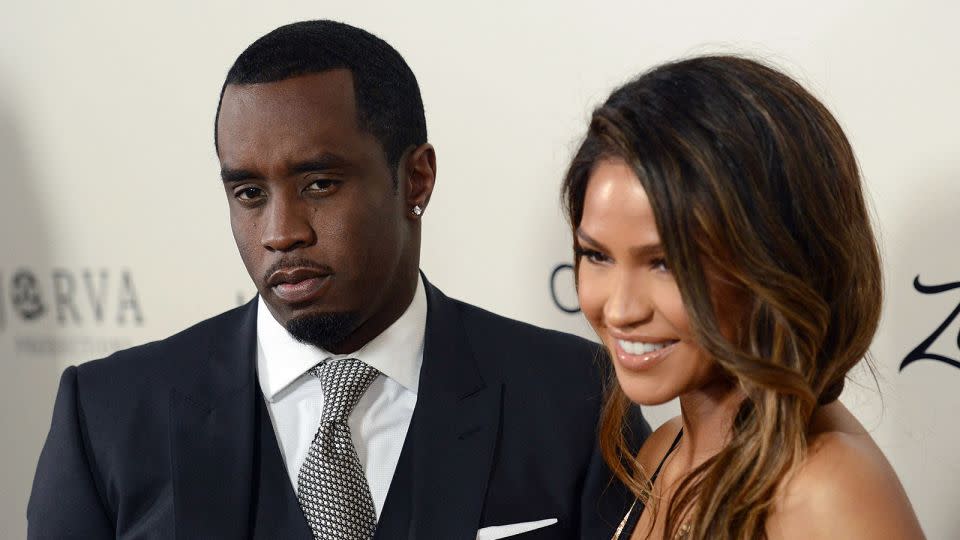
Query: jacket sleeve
605,499
65,501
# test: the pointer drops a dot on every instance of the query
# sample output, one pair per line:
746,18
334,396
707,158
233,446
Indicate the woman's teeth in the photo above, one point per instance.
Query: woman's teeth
639,347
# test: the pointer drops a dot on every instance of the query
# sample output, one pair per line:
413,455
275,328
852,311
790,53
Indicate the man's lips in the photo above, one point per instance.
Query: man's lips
299,285
293,275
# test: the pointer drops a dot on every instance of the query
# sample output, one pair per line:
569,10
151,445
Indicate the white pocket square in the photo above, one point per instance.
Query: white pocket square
503,531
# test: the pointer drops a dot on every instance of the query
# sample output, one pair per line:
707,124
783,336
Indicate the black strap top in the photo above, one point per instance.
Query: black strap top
633,515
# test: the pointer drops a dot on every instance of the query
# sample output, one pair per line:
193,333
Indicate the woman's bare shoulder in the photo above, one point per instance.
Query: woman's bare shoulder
658,443
845,488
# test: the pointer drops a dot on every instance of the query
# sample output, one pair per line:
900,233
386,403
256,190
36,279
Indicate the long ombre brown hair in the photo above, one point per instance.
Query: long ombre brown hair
750,176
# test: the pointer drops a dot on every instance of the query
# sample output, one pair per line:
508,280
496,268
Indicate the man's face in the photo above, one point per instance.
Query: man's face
324,234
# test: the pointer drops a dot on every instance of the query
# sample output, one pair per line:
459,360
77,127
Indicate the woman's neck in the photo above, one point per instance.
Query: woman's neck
707,415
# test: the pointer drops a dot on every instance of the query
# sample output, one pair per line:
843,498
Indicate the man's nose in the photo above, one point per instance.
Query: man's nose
287,227
628,303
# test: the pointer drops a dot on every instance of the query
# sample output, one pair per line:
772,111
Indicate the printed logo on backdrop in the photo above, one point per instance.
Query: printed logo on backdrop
922,351
563,289
81,312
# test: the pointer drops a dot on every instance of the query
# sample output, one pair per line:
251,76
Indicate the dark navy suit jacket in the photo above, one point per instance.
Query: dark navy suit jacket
172,439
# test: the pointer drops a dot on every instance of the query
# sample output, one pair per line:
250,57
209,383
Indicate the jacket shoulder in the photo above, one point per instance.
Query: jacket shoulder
517,334
159,363
510,350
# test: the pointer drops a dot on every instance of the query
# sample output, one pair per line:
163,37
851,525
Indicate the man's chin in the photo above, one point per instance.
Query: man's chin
324,330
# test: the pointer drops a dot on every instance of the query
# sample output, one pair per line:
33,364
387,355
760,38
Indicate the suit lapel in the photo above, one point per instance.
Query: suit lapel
212,443
454,429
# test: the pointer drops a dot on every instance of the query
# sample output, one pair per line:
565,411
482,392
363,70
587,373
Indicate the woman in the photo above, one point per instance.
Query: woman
725,256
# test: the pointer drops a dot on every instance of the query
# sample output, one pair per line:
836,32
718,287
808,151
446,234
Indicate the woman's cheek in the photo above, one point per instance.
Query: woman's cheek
670,306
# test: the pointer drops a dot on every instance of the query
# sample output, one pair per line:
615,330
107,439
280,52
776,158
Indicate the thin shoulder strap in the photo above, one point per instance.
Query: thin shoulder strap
665,456
633,514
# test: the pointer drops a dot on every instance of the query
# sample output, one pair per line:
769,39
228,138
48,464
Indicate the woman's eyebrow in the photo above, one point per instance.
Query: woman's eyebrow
644,250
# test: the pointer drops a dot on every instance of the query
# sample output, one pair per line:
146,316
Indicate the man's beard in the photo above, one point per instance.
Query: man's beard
325,330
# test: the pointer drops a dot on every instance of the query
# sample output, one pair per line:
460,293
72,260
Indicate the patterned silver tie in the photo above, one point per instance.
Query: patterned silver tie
331,486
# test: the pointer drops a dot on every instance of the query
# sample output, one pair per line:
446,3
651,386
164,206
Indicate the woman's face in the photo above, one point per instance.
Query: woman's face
628,294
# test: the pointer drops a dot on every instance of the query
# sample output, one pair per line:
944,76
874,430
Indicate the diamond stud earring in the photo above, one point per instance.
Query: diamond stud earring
417,211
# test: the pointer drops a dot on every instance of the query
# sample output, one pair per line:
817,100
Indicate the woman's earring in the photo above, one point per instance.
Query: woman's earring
417,211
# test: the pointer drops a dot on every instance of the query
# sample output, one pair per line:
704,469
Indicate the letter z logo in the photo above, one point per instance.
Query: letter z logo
921,351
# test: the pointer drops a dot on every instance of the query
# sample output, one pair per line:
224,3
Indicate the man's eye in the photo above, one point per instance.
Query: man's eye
248,193
323,185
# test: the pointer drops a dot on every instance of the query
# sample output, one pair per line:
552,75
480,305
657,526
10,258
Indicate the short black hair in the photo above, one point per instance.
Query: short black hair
388,99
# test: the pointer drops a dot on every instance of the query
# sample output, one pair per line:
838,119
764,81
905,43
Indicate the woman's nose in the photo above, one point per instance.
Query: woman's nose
628,304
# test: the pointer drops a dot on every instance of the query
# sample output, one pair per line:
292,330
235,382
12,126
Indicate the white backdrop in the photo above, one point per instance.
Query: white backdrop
115,230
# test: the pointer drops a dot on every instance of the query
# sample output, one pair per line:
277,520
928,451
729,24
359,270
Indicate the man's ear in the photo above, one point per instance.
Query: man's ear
420,168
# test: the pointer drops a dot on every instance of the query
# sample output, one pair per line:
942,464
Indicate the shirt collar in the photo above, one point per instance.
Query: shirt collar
397,352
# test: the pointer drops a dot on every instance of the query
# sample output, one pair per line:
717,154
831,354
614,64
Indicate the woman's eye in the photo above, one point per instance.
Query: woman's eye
592,255
660,265
248,193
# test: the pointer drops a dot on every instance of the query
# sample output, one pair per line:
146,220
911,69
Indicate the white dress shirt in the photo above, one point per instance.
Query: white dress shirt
379,422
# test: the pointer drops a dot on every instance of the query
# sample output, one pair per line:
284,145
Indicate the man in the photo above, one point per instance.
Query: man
437,420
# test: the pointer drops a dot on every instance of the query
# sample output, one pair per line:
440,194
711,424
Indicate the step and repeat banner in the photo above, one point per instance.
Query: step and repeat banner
114,228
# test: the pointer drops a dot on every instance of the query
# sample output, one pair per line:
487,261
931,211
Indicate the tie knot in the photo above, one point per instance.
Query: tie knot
344,382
